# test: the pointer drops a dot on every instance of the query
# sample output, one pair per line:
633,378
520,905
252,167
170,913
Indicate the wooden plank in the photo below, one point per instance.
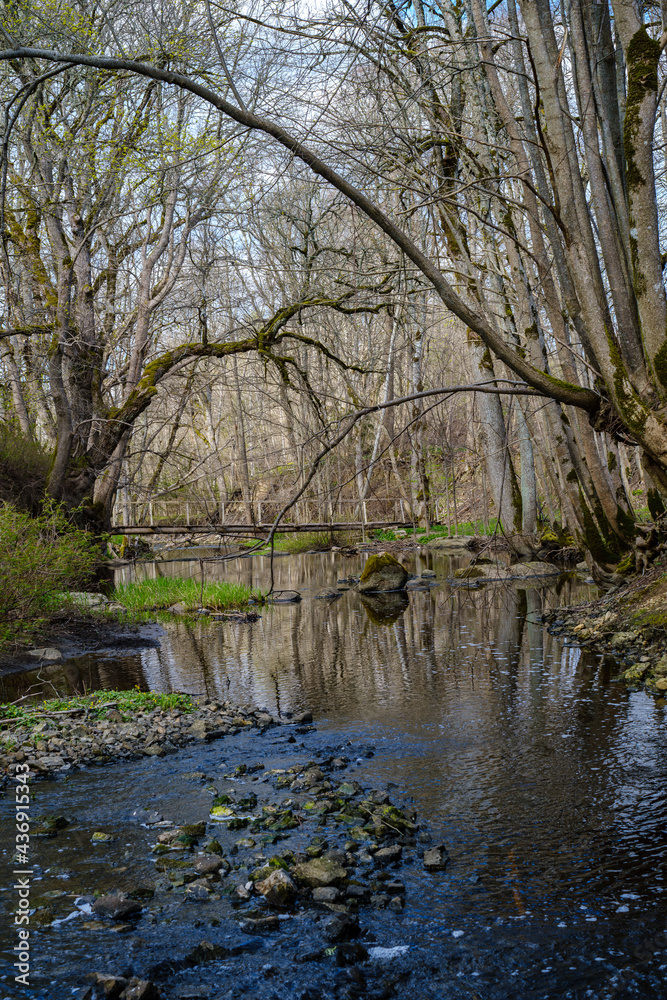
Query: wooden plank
248,529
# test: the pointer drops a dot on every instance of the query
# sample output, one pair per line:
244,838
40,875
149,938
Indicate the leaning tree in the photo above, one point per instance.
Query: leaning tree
577,100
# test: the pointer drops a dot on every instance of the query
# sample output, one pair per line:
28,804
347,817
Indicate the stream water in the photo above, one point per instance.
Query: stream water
546,780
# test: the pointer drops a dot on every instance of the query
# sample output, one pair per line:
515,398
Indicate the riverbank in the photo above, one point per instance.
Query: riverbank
629,623
106,726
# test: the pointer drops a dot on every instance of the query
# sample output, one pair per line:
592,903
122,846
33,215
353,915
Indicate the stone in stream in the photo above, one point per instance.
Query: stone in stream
341,927
436,858
46,654
327,594
382,573
211,866
428,574
102,838
320,872
278,888
326,894
140,989
116,906
389,854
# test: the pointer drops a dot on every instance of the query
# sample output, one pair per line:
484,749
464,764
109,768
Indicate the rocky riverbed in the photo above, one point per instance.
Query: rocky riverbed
94,731
300,855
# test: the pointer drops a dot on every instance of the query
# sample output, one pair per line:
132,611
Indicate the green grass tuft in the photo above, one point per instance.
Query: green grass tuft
161,593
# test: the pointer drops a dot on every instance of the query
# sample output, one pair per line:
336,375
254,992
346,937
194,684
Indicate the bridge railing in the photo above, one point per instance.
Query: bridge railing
196,511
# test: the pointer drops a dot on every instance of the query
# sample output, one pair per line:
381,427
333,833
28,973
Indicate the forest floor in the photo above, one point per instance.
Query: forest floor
630,623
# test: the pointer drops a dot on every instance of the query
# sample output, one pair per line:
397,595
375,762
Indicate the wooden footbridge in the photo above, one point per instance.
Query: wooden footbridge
195,516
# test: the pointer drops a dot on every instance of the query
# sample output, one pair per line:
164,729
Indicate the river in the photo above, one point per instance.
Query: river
545,779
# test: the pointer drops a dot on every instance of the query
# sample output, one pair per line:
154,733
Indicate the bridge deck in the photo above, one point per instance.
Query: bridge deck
251,529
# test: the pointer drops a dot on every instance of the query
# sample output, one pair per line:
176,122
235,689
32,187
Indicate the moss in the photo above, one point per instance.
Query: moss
655,504
625,522
642,59
375,563
630,406
626,565
571,476
660,363
593,539
611,461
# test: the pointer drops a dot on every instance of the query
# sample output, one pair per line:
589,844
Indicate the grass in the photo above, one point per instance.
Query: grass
150,595
126,701
301,541
438,531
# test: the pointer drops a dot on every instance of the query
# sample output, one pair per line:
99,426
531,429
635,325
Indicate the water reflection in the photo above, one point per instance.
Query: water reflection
547,781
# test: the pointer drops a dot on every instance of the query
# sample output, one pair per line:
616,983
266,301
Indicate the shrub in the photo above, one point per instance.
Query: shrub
39,556
24,466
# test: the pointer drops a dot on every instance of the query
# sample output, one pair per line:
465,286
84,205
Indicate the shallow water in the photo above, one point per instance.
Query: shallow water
546,780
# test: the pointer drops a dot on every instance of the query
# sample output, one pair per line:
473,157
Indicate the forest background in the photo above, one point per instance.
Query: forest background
229,232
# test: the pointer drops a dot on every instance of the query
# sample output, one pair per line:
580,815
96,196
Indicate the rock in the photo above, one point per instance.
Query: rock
327,594
102,838
523,570
198,729
196,893
358,892
113,715
48,762
178,609
326,894
350,953
140,989
258,925
210,866
46,654
242,892
86,600
436,858
303,717
111,986
382,573
622,638
389,854
396,904
379,900
419,584
662,684
340,927
428,574
116,906
320,872
456,542
154,751
278,889
193,829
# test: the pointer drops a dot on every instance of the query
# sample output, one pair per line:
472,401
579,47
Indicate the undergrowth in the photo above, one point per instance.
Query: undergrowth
39,558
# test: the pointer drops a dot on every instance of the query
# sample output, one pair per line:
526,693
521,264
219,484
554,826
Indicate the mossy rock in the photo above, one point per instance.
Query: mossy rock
320,872
382,573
